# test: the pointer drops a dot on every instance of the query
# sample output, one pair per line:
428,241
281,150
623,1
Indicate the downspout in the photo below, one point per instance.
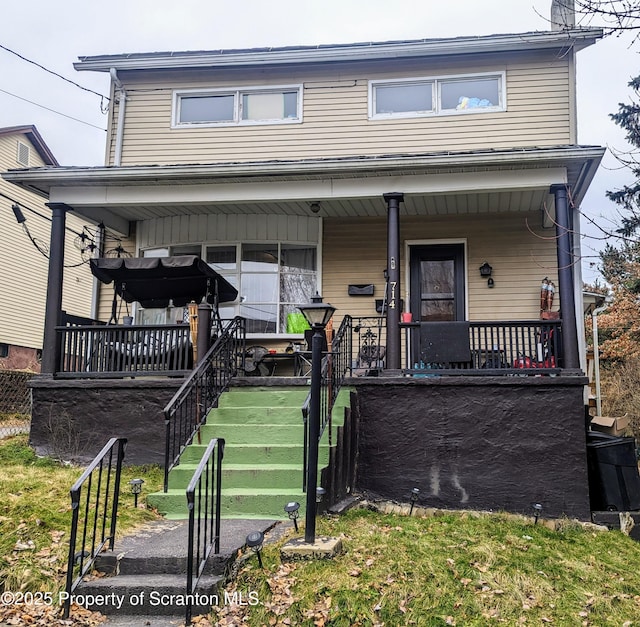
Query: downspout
596,355
122,99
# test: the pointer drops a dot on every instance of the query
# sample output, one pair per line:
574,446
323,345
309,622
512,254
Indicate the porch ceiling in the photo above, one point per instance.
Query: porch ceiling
441,204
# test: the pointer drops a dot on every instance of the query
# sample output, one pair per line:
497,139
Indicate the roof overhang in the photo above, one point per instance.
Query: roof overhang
478,181
576,38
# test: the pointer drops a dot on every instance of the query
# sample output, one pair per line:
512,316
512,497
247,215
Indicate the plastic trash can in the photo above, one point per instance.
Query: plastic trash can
614,482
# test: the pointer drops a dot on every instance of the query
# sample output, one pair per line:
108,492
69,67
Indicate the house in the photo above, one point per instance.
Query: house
436,177
25,227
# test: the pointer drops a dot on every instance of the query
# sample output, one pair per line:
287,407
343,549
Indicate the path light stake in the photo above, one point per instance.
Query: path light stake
292,511
317,314
136,489
415,493
254,542
537,512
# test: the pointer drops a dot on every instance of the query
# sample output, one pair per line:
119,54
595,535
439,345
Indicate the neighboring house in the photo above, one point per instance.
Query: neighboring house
23,267
445,175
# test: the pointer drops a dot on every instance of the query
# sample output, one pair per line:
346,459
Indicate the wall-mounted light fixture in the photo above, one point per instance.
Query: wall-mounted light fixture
485,273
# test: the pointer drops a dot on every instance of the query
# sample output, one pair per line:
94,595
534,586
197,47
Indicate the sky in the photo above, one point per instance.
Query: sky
72,122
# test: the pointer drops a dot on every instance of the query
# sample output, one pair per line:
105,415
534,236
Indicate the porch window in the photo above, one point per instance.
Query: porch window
272,278
273,105
473,93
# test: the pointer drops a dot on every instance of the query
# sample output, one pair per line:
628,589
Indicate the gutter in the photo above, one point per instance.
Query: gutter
122,99
576,38
296,169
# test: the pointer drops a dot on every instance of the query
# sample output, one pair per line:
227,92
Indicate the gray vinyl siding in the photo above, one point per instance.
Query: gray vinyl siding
23,270
335,114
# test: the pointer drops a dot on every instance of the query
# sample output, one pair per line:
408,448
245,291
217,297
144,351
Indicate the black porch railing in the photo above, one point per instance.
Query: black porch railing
492,348
203,502
94,514
200,392
102,351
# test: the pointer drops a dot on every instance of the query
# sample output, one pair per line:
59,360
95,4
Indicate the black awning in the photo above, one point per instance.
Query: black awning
154,281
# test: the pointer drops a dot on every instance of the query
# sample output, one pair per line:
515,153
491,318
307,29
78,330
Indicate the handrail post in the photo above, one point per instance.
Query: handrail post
314,435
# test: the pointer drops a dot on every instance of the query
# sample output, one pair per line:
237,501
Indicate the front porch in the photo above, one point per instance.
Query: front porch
338,228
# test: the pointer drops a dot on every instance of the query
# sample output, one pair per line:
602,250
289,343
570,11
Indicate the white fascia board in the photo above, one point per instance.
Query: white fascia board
577,38
54,177
326,189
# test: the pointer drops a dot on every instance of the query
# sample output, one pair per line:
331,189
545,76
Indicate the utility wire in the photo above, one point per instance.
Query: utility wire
4,91
42,67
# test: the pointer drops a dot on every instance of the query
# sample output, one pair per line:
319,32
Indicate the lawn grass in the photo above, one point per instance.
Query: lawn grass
35,515
449,569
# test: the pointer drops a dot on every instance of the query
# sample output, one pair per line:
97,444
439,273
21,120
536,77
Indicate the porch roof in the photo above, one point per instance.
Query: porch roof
433,183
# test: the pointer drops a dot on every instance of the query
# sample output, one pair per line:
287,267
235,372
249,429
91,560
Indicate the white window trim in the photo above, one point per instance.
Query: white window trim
435,82
237,93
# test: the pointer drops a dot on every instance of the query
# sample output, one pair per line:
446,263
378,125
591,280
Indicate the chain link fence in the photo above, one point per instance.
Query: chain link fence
15,402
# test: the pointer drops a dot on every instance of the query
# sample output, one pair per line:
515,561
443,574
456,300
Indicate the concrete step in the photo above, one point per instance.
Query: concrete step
145,574
154,594
243,475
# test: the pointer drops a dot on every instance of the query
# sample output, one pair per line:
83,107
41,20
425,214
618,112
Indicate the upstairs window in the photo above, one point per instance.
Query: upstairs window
277,105
437,96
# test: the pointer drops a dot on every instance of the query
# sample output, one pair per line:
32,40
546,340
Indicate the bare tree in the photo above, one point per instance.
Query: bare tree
614,16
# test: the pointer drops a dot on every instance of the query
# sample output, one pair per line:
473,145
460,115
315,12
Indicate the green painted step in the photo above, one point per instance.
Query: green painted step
242,475
255,453
278,397
256,415
265,434
262,467
236,503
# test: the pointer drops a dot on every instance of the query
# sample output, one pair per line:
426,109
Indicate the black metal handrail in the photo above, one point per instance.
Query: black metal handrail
97,518
203,502
200,392
335,366
101,351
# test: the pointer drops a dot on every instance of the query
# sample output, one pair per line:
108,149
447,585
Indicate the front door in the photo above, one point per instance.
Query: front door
436,284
